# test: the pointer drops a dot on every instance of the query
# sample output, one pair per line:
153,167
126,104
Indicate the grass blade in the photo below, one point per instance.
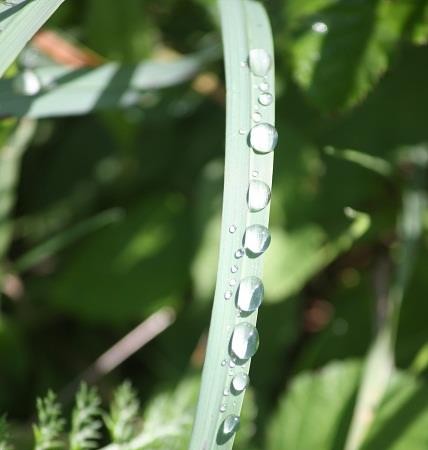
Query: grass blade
19,21
245,26
379,364
65,91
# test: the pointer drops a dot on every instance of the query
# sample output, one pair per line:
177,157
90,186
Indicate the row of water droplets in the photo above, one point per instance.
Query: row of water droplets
262,138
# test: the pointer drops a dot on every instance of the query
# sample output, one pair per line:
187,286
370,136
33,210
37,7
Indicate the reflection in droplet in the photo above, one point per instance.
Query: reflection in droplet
250,294
245,340
320,27
260,61
258,195
265,99
263,137
256,239
230,424
257,117
264,86
240,382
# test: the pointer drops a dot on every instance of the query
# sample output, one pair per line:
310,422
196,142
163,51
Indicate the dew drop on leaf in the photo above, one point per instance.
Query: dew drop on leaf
256,239
250,294
240,382
245,340
260,61
263,137
258,195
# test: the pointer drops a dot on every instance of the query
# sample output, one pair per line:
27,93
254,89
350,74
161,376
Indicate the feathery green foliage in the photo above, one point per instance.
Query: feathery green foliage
85,419
50,424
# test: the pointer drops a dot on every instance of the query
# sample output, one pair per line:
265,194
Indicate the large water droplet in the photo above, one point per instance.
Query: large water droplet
27,83
256,239
240,382
260,61
250,294
258,195
265,99
245,340
230,424
263,137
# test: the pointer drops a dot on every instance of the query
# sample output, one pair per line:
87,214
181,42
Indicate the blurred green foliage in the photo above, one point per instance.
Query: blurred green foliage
351,75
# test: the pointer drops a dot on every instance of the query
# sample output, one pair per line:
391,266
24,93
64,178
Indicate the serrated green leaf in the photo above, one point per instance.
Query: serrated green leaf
339,49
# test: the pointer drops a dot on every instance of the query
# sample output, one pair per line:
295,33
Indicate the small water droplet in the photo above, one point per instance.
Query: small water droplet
256,239
239,253
234,268
264,86
319,27
27,83
240,382
222,408
258,195
265,99
244,64
223,363
263,137
255,173
257,117
230,424
242,131
250,294
232,229
260,61
231,364
228,294
232,282
245,340
226,392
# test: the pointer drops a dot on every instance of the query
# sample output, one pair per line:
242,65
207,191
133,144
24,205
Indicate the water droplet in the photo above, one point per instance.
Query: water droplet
232,229
250,294
223,363
258,195
260,61
255,173
230,424
319,27
240,382
257,117
234,268
263,137
27,83
244,64
231,365
264,86
232,282
265,99
239,253
245,340
228,294
226,392
222,408
256,239
242,131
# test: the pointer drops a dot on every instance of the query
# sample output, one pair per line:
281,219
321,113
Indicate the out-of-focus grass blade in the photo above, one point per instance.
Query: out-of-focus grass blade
65,238
10,160
65,91
379,364
19,21
373,163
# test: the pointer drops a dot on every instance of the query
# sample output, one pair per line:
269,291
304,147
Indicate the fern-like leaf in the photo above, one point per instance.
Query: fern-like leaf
121,422
50,424
85,422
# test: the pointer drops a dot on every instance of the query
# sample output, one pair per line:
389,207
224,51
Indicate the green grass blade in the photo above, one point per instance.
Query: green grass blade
65,91
379,364
19,21
66,238
245,26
